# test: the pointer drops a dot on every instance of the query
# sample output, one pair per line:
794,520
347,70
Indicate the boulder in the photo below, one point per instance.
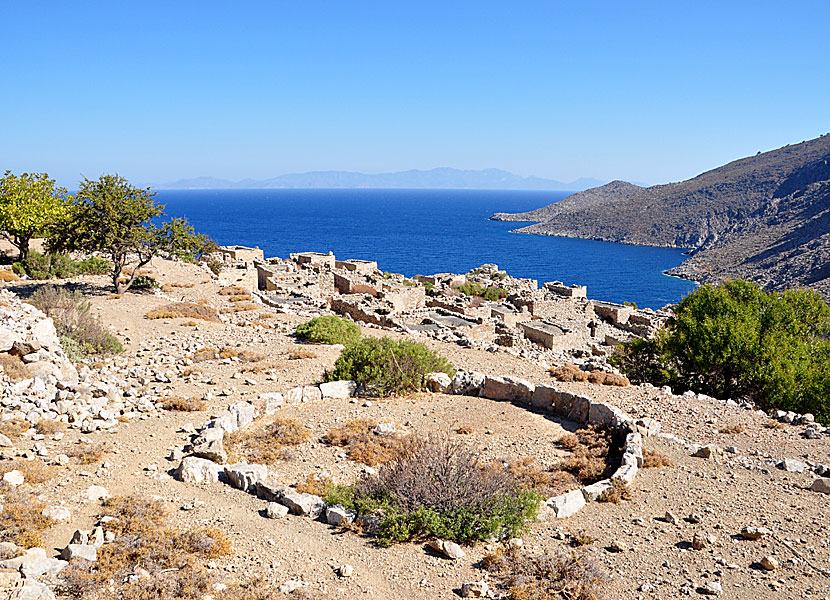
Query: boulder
467,383
302,504
244,476
7,339
311,393
34,563
339,515
270,402
209,445
791,465
595,490
438,383
571,406
89,553
566,504
449,549
5,442
275,510
821,485
243,414
57,513
271,491
606,415
32,590
474,589
544,396
508,388
196,470
338,389
13,478
96,493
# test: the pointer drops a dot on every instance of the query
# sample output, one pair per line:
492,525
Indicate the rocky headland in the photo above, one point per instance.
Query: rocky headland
765,218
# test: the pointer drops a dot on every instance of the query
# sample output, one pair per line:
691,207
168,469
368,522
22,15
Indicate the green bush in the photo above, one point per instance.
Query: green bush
439,489
383,366
59,266
144,282
81,333
491,293
738,341
329,330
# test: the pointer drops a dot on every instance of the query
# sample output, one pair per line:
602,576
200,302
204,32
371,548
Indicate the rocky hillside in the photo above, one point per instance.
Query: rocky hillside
765,218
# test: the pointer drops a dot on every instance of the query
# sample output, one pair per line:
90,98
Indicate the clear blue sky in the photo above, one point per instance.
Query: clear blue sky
643,91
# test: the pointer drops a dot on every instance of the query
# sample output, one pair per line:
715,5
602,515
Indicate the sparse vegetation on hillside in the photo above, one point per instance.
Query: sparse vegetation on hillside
266,445
439,489
367,447
21,521
490,293
184,310
739,341
383,366
329,330
81,333
59,266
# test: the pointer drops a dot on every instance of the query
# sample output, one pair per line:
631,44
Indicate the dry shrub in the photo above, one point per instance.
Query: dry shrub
240,298
360,288
366,447
465,430
240,307
184,310
21,520
527,472
169,287
315,484
733,428
300,354
14,368
8,276
233,290
169,562
603,378
582,538
653,458
255,588
618,492
568,373
773,424
593,458
34,471
184,404
267,445
14,429
546,576
266,315
88,453
50,427
203,354
570,441
190,323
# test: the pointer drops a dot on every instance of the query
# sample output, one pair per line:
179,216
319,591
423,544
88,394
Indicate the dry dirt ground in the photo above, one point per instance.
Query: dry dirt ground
656,561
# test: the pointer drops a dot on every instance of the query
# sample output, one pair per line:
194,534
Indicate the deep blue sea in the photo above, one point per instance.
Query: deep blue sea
426,232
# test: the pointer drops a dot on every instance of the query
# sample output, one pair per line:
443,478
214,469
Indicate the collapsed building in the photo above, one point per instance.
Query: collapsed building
485,308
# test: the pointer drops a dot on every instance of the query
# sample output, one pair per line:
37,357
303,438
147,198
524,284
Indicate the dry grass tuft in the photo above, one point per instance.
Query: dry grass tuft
527,472
239,307
50,427
14,429
184,310
593,454
169,287
301,354
233,290
190,323
618,492
21,521
603,378
88,453
170,562
243,354
366,447
733,428
582,538
548,576
267,445
34,471
773,424
184,404
14,368
653,459
465,430
568,373
240,298
315,484
8,276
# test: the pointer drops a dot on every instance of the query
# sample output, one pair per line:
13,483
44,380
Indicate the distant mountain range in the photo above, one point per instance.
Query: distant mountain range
442,178
765,218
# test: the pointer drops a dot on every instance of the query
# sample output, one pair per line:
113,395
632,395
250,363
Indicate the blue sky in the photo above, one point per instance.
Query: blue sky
643,91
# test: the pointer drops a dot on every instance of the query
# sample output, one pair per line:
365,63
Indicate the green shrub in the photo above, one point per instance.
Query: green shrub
383,366
329,330
144,282
81,333
439,489
738,341
429,287
491,293
215,265
59,266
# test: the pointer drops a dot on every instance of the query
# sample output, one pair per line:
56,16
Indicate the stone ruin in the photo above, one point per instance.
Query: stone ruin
554,322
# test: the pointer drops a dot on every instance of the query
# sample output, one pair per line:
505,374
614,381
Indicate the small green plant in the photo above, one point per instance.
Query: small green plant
383,366
491,293
631,304
145,282
215,265
429,287
329,330
439,489
81,333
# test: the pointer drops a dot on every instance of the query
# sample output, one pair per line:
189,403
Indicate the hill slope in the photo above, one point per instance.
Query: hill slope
766,218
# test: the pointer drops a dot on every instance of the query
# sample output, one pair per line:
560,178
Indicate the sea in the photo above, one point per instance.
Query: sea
428,231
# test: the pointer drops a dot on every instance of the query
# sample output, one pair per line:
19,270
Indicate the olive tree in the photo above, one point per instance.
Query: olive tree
115,218
30,204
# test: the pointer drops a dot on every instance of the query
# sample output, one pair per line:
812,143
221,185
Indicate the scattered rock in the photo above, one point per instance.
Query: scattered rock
475,589
14,478
769,563
618,546
385,429
339,515
275,510
196,470
57,513
304,505
791,465
95,493
755,533
821,485
712,588
448,549
345,570
438,383
89,553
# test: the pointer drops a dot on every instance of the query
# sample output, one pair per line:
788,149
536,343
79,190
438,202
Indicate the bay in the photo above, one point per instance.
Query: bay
428,231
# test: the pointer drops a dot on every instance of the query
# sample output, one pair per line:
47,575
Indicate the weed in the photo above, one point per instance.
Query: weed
300,354
366,447
88,453
329,330
618,492
527,472
267,445
14,368
233,290
653,459
546,576
582,538
240,298
568,373
50,427
21,520
184,404
465,430
240,307
773,424
14,429
604,378
315,484
733,428
169,287
184,310
8,276
592,455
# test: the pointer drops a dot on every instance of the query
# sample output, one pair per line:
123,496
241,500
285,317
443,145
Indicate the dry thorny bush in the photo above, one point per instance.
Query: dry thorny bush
21,520
242,354
367,447
267,444
184,310
147,559
13,429
88,452
653,458
545,576
184,404
13,367
570,372
34,471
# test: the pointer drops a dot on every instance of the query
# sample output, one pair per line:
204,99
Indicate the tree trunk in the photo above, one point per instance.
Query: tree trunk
22,247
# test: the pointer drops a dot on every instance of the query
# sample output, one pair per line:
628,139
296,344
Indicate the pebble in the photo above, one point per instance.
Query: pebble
769,563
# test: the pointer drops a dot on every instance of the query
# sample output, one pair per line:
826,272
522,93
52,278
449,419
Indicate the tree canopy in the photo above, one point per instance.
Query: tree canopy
30,204
739,341
111,216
